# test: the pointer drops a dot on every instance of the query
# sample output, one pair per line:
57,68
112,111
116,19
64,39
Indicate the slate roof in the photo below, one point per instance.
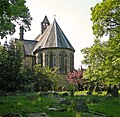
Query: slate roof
53,36
29,46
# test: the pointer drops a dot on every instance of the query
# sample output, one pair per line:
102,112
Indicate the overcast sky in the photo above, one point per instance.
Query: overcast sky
73,16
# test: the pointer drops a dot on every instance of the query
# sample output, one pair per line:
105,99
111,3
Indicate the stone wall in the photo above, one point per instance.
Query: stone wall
63,59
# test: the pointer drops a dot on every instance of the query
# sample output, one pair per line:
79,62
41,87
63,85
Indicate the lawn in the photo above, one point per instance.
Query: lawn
33,103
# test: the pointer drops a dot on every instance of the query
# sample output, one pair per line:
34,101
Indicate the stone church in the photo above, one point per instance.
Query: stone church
50,48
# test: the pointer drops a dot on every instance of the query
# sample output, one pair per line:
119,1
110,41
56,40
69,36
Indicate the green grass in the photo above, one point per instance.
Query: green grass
29,103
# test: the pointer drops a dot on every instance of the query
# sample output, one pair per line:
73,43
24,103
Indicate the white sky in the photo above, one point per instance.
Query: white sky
73,16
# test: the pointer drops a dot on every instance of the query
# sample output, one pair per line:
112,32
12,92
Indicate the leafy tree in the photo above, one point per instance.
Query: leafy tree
103,58
75,76
13,12
10,64
75,79
105,17
26,79
44,77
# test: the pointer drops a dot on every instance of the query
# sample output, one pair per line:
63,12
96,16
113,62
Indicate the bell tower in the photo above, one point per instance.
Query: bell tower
44,24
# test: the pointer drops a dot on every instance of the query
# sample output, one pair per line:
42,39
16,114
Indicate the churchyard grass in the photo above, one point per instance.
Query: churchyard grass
33,103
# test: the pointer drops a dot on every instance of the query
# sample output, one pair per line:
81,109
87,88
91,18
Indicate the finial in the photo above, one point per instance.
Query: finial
54,17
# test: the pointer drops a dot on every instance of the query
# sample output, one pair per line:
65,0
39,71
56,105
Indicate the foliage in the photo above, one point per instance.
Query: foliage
26,80
10,65
13,12
14,76
105,17
75,77
103,58
44,77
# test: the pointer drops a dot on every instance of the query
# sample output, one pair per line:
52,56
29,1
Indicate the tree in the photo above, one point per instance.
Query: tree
13,12
105,17
10,65
75,78
44,77
103,58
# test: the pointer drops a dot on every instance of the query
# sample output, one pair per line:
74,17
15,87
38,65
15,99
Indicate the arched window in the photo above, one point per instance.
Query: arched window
71,62
51,60
40,59
62,62
47,59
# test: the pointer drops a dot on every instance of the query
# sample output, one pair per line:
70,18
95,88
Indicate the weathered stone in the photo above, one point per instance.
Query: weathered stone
55,94
109,90
37,115
80,101
108,97
57,109
81,105
64,88
32,97
115,91
59,88
93,100
80,108
65,102
44,94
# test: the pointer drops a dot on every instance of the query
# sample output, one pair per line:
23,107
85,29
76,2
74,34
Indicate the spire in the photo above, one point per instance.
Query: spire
54,17
21,32
44,24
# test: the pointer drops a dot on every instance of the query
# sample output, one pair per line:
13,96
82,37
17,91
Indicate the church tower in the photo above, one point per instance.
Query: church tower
53,48
50,48
44,24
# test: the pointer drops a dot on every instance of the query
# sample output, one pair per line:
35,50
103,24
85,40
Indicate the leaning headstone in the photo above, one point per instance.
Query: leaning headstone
93,100
109,90
59,88
81,105
80,108
96,88
115,91
44,94
64,88
65,102
55,94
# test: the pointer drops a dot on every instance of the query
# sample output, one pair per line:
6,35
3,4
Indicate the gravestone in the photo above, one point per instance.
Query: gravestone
64,102
55,94
37,115
81,105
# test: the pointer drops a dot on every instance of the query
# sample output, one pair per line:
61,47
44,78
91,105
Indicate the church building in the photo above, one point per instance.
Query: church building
50,48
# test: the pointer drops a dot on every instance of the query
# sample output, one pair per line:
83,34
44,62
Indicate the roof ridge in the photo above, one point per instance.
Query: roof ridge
53,36
48,34
55,32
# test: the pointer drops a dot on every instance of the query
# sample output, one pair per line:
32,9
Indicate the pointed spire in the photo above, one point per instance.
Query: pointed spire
44,24
54,17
